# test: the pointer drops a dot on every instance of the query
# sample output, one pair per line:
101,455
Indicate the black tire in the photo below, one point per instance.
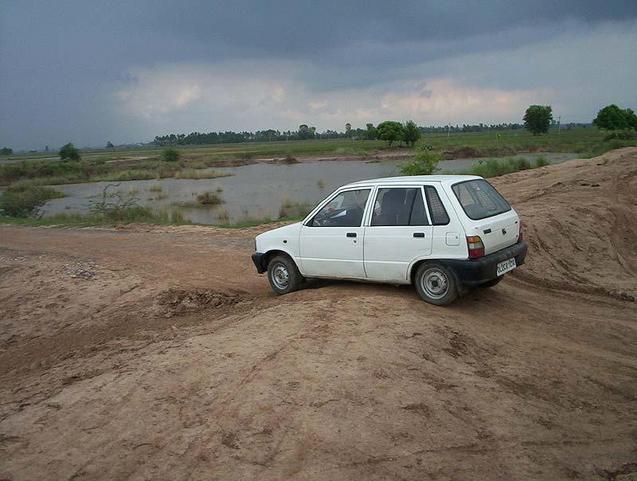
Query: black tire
436,284
283,275
492,282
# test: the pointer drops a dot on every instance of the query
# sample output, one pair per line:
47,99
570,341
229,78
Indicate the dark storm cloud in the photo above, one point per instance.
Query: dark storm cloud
62,62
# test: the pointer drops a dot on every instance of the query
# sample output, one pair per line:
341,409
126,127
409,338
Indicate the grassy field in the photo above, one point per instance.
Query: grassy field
25,174
586,141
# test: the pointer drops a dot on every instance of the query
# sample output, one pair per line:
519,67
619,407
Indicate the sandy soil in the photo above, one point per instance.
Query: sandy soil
158,353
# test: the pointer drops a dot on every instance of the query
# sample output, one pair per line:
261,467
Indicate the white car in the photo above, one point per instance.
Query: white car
442,233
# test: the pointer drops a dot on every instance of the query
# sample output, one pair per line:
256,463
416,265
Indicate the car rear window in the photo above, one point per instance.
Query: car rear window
479,199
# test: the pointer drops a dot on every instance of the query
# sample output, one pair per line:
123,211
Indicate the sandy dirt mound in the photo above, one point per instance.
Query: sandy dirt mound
581,219
159,353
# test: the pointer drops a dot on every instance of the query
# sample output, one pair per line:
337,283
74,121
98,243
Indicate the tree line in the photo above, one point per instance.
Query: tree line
304,132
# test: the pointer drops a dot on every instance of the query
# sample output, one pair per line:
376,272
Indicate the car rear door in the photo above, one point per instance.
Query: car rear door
331,242
399,231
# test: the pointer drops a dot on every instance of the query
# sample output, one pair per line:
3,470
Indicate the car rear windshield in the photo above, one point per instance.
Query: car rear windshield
479,199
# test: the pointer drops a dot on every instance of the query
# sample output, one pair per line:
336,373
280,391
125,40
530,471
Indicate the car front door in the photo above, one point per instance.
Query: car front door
331,242
399,231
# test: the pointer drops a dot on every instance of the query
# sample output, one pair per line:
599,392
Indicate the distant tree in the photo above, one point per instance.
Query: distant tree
537,119
391,131
170,155
109,145
612,117
371,133
305,132
412,134
348,129
6,151
69,152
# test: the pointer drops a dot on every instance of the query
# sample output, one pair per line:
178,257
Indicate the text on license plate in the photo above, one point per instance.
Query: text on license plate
505,266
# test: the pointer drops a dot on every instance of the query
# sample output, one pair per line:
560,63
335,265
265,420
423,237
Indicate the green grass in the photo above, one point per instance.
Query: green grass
145,162
496,167
132,215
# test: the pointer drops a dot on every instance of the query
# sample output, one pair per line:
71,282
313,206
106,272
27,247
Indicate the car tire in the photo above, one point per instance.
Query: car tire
283,275
492,282
436,284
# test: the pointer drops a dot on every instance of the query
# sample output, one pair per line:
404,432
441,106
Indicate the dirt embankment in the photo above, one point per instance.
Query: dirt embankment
158,353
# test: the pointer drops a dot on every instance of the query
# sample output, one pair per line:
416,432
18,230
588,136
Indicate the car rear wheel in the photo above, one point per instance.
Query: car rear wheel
283,275
492,282
436,284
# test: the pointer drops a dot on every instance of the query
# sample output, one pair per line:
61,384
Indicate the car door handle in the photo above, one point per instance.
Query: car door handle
419,234
351,234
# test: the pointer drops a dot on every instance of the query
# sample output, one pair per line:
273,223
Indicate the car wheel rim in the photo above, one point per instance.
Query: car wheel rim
280,276
435,283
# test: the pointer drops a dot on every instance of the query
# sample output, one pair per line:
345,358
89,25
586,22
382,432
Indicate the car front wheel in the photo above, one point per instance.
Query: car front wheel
436,284
283,275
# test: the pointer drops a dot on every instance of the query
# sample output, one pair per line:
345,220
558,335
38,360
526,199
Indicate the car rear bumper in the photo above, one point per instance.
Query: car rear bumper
473,272
259,262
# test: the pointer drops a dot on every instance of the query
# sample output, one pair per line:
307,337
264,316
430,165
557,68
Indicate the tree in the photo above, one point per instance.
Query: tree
69,152
348,129
371,133
6,151
109,145
412,134
390,131
612,117
170,155
537,119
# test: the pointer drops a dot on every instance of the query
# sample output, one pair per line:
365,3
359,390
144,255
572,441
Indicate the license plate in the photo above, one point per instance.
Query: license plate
505,266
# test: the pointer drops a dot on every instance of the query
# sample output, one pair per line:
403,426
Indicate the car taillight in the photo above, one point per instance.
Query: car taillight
476,247
521,233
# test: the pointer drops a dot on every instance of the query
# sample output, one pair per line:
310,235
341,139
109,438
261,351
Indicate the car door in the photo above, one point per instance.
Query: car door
331,242
399,231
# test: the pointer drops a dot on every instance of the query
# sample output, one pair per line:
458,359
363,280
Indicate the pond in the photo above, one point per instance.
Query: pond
255,191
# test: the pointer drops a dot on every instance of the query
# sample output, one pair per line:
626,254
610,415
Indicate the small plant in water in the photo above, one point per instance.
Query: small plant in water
209,198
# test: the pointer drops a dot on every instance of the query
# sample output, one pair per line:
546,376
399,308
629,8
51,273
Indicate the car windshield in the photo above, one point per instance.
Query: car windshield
479,199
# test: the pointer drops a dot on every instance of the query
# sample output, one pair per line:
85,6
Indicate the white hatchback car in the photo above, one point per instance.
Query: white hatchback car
443,233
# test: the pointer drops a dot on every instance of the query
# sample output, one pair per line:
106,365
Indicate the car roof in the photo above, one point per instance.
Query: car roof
415,179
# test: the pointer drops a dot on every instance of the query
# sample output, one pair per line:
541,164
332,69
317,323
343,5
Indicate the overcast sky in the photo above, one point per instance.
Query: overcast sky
88,71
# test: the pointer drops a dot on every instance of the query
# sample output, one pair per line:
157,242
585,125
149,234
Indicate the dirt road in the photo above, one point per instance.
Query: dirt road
159,353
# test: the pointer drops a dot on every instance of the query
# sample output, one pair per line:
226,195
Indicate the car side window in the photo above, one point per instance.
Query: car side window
399,207
437,209
344,210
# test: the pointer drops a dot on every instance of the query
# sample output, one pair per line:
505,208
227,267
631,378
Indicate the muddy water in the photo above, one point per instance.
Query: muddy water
252,191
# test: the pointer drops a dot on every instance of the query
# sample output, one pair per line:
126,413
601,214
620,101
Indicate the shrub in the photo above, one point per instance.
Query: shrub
24,199
522,164
621,135
291,209
425,162
69,152
170,155
209,198
541,161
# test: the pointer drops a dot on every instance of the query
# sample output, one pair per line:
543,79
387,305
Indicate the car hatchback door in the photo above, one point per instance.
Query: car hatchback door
331,242
399,232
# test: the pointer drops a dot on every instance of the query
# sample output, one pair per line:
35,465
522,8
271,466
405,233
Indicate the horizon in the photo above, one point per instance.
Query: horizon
125,72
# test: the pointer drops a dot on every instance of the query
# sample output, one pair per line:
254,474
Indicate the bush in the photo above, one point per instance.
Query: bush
541,162
292,210
425,162
24,199
209,198
621,135
522,164
69,152
170,155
